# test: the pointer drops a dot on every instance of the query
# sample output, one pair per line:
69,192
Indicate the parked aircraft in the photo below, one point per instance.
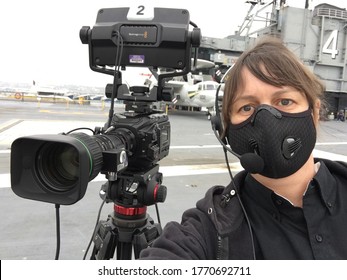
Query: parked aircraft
200,95
193,91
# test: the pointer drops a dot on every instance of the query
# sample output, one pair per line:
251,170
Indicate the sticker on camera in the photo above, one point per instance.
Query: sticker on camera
141,12
139,59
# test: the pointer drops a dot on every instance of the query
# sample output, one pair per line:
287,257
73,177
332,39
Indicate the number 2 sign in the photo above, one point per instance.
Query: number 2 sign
140,12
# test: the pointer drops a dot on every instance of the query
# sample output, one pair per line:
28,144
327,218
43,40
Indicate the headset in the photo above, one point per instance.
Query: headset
251,162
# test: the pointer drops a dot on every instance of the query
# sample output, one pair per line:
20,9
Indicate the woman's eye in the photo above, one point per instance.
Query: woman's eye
285,102
246,109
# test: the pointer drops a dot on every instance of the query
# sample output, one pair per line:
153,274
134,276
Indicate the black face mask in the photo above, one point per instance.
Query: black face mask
283,140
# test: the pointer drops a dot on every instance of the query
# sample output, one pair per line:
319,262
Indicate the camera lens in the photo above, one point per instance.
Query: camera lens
58,163
58,166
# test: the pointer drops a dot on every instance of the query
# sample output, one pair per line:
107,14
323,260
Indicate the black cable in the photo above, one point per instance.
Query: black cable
193,24
157,210
80,128
119,53
97,221
57,215
215,127
241,203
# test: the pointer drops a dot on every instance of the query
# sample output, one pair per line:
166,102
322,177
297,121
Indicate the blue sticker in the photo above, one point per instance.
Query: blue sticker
136,58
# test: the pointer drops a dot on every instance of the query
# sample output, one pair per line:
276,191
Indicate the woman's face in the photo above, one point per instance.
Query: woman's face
255,92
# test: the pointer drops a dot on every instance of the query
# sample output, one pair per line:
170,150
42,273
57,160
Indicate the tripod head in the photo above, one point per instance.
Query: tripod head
135,189
129,227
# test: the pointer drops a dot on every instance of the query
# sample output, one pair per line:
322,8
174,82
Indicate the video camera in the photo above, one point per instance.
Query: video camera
58,168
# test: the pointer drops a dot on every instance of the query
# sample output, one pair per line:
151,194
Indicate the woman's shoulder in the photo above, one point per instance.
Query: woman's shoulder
336,168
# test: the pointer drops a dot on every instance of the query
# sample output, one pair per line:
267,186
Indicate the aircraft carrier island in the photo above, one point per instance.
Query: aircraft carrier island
317,35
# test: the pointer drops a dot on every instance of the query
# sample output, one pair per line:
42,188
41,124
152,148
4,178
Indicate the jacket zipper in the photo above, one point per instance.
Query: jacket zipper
219,248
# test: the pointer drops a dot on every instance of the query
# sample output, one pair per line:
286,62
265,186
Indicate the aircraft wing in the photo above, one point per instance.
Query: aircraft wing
176,84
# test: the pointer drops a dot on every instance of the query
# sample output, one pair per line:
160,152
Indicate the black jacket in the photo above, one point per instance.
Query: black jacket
216,228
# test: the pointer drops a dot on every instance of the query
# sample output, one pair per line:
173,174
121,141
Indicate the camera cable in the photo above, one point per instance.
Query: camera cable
57,215
96,225
80,128
241,204
216,127
158,215
119,43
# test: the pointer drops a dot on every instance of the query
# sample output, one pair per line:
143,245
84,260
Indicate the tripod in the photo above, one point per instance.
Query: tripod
129,226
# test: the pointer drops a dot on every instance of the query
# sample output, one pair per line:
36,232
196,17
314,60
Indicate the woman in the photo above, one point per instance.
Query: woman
293,206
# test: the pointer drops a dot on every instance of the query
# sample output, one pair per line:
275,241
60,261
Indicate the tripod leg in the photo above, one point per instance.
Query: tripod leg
124,251
146,236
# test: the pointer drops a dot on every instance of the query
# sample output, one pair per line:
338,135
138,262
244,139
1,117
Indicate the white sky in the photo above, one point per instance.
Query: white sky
40,38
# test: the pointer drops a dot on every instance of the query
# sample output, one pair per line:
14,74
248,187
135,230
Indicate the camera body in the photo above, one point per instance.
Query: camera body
148,137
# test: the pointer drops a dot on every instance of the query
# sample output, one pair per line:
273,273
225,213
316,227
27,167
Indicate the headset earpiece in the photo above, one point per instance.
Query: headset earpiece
218,126
216,120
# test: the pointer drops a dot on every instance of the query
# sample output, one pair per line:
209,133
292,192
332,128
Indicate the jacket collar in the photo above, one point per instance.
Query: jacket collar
326,182
226,217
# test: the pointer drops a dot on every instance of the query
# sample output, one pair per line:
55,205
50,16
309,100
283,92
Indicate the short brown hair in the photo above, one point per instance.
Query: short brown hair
273,63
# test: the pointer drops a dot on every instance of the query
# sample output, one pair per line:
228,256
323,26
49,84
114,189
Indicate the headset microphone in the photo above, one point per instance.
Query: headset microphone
251,162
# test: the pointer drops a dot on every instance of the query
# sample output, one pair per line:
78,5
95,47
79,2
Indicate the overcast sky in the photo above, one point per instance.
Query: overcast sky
40,38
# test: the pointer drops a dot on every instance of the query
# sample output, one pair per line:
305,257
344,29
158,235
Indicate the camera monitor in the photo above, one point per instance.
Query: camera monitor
145,37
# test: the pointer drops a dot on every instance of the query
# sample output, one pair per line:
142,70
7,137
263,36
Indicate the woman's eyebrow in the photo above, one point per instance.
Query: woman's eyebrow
245,98
251,97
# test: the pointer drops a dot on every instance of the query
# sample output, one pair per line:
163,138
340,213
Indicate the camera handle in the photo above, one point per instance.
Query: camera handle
124,234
